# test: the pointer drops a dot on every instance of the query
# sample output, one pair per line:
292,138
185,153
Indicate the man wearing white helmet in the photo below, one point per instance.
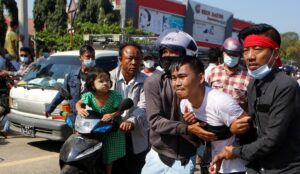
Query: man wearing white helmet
230,77
173,147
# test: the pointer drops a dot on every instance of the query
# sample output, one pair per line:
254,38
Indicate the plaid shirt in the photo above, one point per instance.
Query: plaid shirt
234,84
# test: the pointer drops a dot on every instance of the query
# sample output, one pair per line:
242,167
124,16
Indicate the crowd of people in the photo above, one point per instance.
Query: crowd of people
242,109
14,64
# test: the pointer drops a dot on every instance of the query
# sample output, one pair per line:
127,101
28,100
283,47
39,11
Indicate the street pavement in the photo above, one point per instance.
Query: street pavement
24,155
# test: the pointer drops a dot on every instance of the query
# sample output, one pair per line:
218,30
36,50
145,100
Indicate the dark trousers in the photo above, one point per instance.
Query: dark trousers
130,164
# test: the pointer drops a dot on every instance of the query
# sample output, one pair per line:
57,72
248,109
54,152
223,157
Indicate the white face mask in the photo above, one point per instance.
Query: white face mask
24,59
262,71
231,61
149,64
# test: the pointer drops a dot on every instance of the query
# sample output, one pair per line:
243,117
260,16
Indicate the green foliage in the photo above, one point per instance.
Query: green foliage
41,11
290,46
100,11
56,20
57,41
88,10
51,13
94,28
62,42
86,22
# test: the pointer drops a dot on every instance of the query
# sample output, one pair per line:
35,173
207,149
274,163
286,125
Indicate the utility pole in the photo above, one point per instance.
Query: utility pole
72,8
23,23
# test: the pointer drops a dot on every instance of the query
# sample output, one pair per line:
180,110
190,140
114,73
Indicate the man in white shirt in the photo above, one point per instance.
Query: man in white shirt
219,111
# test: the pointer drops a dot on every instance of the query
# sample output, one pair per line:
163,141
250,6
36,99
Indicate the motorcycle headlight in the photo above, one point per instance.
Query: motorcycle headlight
83,125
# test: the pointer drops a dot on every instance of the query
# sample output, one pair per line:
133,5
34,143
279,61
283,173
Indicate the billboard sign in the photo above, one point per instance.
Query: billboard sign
156,21
209,23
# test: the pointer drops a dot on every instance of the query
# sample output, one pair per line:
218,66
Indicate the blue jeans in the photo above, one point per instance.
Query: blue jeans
155,165
5,123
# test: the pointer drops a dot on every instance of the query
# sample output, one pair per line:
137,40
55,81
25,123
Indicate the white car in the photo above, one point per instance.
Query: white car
29,99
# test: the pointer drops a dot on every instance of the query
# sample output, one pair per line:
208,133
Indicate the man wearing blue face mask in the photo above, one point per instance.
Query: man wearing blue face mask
230,77
45,55
274,105
26,64
75,82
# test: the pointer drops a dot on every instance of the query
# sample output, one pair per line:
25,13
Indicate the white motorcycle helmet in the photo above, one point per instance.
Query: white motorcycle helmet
177,40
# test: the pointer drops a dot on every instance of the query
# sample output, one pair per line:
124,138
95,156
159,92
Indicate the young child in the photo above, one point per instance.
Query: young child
216,109
100,98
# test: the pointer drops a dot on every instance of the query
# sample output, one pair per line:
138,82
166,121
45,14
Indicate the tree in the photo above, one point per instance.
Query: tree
100,11
290,46
88,11
57,19
41,11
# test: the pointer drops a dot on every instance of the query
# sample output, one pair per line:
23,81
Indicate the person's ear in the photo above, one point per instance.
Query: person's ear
201,78
276,53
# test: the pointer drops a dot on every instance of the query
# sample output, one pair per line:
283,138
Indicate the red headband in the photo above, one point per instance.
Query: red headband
259,40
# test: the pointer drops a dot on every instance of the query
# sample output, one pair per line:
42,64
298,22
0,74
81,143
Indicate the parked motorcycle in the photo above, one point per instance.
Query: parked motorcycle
80,154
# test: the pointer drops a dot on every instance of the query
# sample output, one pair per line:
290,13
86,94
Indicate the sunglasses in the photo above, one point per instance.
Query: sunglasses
23,55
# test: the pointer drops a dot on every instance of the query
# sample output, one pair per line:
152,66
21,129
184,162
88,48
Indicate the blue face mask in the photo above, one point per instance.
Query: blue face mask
231,61
89,63
24,59
46,55
262,71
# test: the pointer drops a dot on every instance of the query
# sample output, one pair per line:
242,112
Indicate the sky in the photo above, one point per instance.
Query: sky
281,14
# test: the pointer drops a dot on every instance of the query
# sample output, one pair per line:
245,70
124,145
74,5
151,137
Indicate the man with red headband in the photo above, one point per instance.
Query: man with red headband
274,105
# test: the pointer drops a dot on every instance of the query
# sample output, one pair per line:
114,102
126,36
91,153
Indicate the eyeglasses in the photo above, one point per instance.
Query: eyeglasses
23,55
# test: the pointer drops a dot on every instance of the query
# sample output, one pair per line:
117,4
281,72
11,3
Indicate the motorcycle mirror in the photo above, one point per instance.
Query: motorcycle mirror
125,104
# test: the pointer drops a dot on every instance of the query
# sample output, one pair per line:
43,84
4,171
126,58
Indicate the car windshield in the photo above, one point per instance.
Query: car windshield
52,72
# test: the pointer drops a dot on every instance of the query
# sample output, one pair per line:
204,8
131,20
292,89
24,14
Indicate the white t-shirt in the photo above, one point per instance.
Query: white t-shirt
218,109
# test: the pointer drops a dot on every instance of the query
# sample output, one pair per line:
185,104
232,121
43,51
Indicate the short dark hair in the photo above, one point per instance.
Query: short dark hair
46,49
194,62
26,49
14,23
86,48
91,77
214,54
261,29
123,45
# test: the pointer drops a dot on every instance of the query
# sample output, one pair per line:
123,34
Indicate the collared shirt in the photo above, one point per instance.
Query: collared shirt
24,69
234,84
124,88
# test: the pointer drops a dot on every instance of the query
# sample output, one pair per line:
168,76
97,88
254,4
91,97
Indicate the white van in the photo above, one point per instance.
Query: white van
30,98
